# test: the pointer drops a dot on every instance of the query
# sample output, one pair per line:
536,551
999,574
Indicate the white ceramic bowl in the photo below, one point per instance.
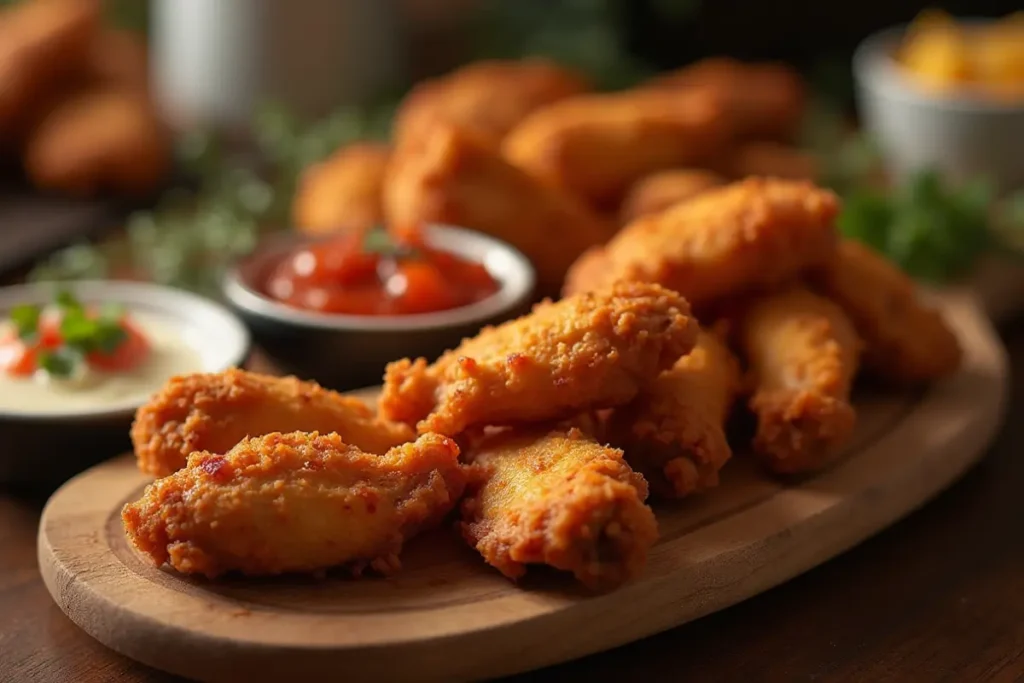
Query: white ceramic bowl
958,135
49,446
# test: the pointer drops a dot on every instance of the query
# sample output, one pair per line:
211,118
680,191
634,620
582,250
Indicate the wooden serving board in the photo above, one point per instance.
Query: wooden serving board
447,616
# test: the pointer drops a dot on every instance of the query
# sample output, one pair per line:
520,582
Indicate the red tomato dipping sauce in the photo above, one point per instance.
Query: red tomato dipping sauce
378,274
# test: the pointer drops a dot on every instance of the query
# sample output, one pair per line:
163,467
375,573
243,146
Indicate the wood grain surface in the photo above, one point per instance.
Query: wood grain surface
716,551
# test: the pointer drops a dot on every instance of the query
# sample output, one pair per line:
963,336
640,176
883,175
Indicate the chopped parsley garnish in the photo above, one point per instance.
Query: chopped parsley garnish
379,241
61,362
26,320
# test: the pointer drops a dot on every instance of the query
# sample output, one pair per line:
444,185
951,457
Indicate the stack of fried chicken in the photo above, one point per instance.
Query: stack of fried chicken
549,432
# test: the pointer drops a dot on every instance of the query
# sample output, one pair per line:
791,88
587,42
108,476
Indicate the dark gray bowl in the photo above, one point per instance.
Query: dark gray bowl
350,351
40,449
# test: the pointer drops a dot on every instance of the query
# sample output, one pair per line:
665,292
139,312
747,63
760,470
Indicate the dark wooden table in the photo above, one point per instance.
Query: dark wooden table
938,597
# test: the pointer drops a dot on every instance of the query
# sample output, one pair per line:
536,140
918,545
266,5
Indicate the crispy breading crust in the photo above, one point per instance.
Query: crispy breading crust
659,191
588,351
561,499
299,502
343,193
213,412
802,352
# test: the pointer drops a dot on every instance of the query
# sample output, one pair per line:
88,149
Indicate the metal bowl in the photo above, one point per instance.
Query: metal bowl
351,351
46,448
958,135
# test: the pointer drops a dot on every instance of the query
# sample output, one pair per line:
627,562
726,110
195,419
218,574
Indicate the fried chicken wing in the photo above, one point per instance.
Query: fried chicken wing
906,340
802,351
761,100
748,235
343,193
561,499
487,97
451,177
589,351
43,43
299,502
96,140
596,146
674,431
658,191
213,412
772,159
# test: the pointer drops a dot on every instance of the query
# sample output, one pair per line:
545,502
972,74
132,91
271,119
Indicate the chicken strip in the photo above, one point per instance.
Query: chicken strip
802,352
99,140
760,100
299,502
561,499
343,193
487,98
43,44
118,58
906,341
589,351
213,412
451,177
661,190
773,159
748,235
596,146
674,431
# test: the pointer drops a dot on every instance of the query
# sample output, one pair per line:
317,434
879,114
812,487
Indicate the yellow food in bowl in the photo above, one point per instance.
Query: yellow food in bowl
986,59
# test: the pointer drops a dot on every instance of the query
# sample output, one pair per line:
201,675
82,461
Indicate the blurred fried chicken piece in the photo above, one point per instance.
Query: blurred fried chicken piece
298,502
343,192
589,351
487,97
213,412
451,177
772,159
561,499
596,146
659,191
906,341
802,352
748,235
99,140
43,43
120,59
761,100
674,431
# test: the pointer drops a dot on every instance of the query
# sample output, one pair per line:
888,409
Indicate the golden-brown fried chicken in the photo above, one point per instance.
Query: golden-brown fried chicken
748,235
906,340
761,100
561,499
589,351
213,412
659,191
298,502
596,146
43,43
451,177
487,98
802,351
118,59
99,140
772,159
342,193
674,431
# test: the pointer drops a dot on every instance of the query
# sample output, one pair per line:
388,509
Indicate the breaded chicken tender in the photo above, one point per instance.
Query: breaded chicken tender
558,498
342,193
596,146
674,431
772,159
451,177
43,43
120,59
659,191
760,100
487,97
906,340
748,235
589,351
299,502
213,412
802,353
99,140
